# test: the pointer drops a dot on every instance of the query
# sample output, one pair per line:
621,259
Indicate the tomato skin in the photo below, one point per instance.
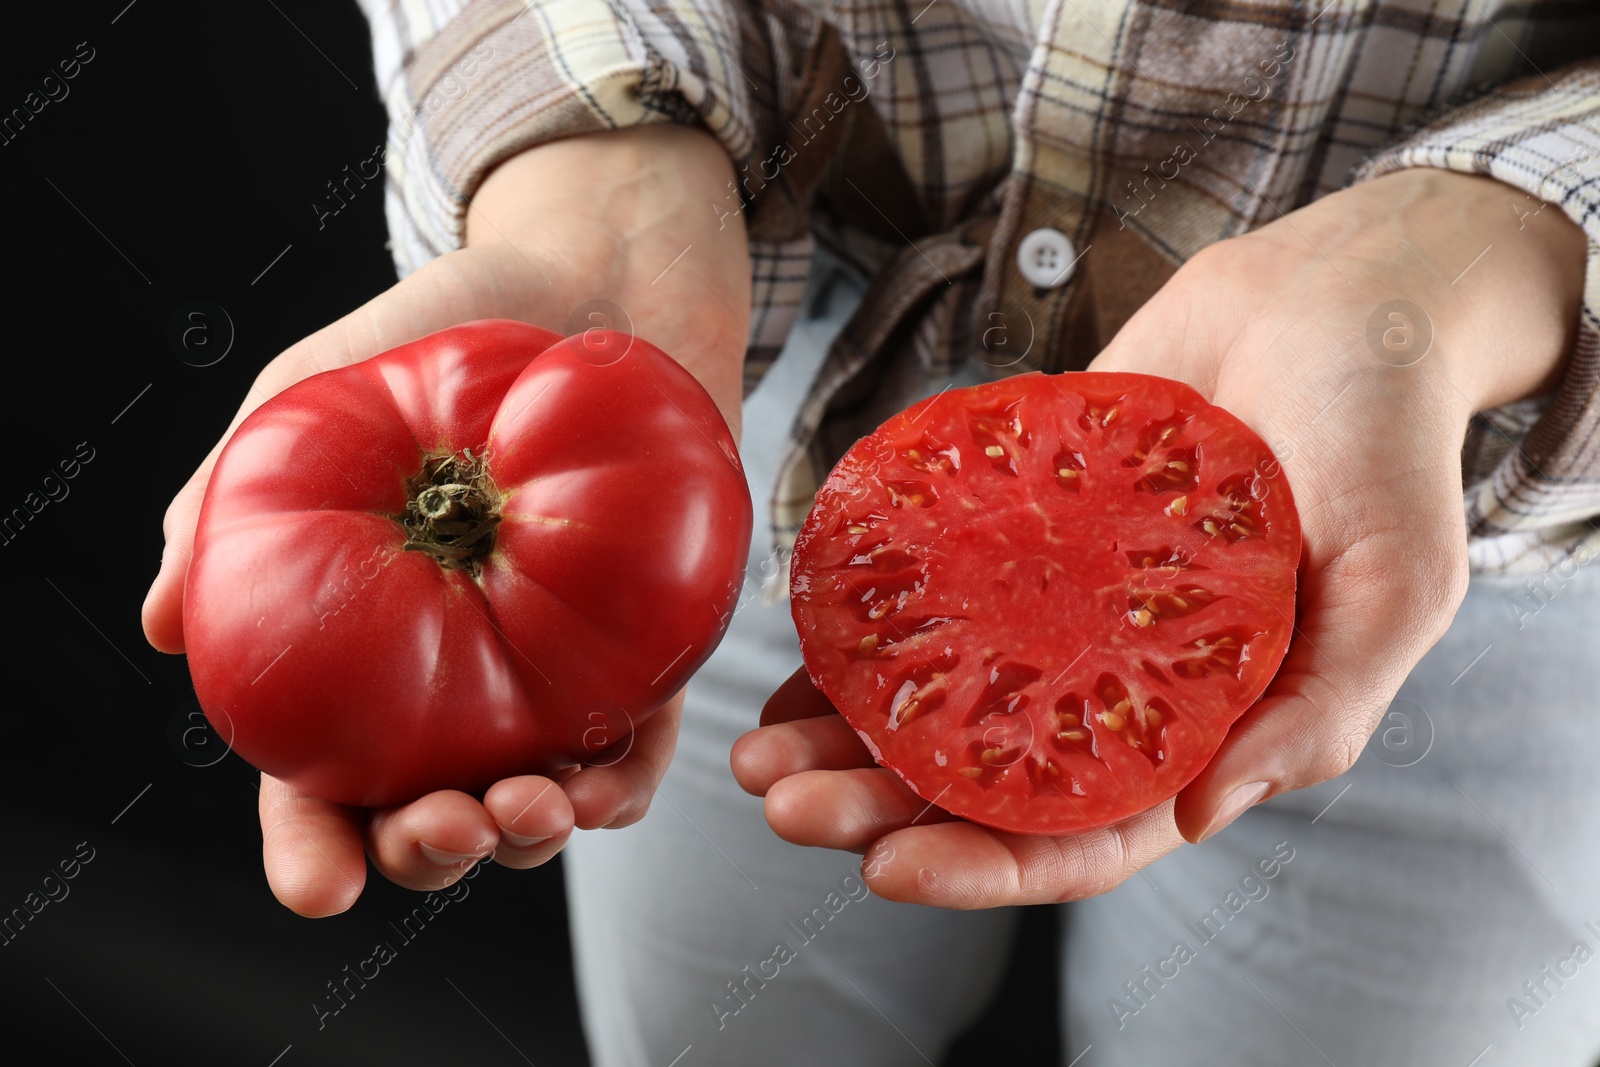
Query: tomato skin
1043,601
362,673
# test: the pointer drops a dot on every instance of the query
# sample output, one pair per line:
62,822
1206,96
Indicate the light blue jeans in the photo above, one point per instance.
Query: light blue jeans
1437,905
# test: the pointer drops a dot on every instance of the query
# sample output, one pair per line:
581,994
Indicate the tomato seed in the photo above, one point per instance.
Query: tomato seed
893,690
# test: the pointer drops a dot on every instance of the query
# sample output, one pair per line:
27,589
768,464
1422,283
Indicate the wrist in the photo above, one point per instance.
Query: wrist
1506,279
630,181
626,216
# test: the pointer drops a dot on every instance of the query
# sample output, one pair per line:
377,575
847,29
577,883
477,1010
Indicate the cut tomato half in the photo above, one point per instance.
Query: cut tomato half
1043,601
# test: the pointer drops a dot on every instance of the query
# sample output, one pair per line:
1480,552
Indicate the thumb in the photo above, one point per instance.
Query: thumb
162,614
1369,610
454,288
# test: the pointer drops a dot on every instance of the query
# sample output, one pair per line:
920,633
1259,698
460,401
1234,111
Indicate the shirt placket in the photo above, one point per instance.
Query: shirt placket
1061,273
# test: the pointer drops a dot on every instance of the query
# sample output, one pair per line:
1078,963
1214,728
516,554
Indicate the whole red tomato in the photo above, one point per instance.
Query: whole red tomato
488,552
1043,601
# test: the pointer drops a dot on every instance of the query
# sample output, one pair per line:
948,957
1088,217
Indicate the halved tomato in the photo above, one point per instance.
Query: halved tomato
1042,601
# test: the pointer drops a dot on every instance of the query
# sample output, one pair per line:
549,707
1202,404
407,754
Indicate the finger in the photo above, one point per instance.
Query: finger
615,790
311,850
534,819
1357,639
454,288
962,865
826,743
431,842
162,613
845,809
796,698
1166,337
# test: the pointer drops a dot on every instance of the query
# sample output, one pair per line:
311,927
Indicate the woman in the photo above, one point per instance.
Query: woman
999,188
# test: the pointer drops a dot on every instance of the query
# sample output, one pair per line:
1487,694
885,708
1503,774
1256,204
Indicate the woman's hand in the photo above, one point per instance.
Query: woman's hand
1273,326
602,217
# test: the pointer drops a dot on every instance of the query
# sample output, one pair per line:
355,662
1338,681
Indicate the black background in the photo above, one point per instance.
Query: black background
182,166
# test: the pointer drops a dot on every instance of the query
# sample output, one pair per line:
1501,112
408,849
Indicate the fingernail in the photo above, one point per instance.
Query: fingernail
440,858
1236,804
622,818
518,841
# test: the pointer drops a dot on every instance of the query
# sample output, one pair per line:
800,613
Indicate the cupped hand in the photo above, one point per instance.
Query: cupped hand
1274,327
617,217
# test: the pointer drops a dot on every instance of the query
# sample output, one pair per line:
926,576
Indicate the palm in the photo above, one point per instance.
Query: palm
314,851
1372,452
1370,443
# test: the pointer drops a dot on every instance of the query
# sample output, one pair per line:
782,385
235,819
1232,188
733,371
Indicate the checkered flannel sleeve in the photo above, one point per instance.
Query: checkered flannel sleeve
1534,497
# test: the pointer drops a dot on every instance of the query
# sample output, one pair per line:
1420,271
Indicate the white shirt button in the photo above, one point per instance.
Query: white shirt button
1046,258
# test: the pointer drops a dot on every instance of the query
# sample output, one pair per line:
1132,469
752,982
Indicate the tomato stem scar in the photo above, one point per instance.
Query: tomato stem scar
452,509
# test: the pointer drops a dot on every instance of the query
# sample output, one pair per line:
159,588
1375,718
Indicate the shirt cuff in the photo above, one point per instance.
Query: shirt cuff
470,83
1532,471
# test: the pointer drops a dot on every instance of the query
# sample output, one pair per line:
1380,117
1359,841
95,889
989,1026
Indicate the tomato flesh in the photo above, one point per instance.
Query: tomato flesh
1042,601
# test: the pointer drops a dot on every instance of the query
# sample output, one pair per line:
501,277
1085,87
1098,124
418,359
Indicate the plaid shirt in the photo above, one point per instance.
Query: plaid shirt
966,125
